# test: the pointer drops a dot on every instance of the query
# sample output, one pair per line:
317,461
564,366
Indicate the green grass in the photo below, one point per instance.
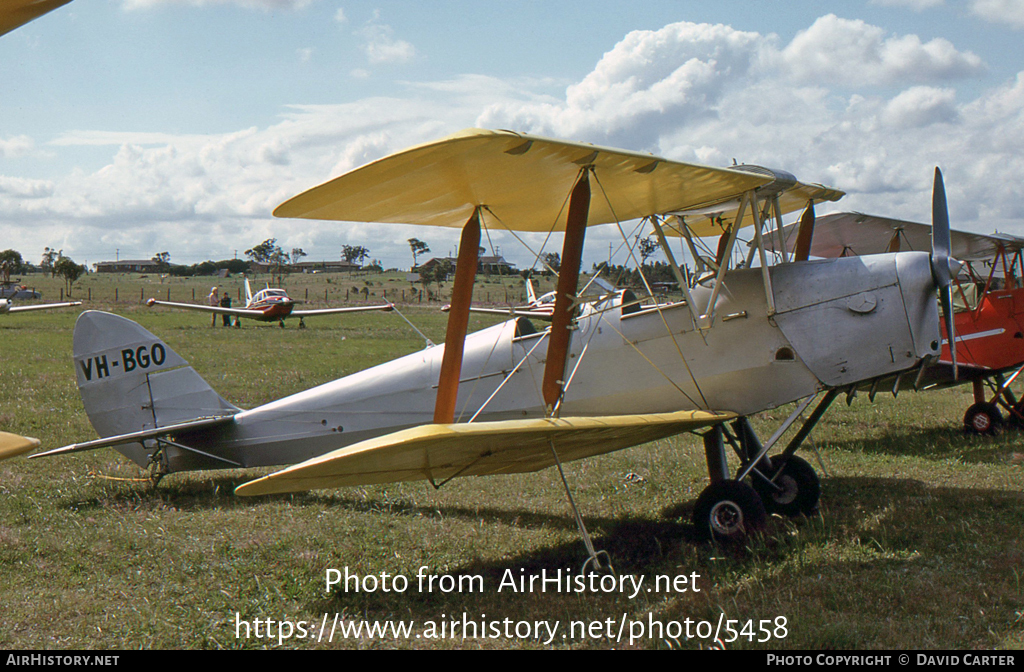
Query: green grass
919,542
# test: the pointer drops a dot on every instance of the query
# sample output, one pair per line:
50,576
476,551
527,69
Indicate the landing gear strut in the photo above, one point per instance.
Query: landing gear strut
730,509
983,416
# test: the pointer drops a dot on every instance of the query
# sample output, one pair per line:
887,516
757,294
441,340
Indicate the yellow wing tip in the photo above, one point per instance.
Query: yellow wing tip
12,445
253,488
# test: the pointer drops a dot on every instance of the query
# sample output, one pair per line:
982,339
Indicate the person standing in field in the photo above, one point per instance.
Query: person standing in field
214,300
225,302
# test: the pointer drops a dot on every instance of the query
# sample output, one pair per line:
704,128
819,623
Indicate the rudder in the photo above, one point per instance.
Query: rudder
130,380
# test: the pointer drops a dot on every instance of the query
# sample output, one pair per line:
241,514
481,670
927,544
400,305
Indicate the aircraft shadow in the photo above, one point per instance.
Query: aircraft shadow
939,443
874,509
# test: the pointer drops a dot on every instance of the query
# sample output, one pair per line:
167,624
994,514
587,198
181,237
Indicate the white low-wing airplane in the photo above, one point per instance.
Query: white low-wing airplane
269,305
603,376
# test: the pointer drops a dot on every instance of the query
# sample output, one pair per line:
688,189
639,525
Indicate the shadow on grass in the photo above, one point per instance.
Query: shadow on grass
878,525
940,443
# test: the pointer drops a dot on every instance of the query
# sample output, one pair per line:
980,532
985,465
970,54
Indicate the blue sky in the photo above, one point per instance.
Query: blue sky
131,127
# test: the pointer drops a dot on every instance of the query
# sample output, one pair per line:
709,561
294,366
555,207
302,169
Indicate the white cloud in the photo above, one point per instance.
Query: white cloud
20,188
340,17
854,53
916,5
1003,12
649,80
19,145
381,45
693,92
921,106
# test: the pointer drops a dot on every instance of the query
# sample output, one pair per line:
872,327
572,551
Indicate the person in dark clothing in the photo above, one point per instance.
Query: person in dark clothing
225,302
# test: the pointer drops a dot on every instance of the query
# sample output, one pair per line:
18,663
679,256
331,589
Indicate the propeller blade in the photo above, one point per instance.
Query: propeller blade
944,269
940,233
946,297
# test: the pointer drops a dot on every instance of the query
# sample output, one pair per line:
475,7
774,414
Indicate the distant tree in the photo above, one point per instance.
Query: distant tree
66,268
647,248
297,254
10,262
266,252
418,247
270,253
50,257
354,254
164,259
440,272
553,260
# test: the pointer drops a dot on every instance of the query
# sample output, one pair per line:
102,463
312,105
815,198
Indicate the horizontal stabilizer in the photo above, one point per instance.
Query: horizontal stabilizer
135,437
440,452
12,445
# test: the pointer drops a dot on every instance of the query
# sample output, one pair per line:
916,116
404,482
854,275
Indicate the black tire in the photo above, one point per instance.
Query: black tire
800,489
728,511
983,418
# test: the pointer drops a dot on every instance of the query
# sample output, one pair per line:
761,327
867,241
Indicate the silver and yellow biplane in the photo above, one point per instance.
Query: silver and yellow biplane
605,374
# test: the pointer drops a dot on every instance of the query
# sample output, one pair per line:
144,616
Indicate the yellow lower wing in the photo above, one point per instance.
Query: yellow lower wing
12,445
439,452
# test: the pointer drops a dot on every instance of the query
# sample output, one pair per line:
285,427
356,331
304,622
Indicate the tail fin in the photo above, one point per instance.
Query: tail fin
131,381
248,292
531,296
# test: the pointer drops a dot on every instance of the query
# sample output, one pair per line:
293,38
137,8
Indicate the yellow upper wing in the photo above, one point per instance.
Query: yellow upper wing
14,13
523,180
439,452
716,219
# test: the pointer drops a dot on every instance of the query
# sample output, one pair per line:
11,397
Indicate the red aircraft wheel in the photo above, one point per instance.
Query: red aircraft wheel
982,418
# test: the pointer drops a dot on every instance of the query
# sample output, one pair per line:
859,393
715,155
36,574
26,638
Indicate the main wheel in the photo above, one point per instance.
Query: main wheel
982,418
795,490
728,510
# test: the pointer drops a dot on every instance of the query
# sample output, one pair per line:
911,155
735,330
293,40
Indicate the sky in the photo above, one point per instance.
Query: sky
132,127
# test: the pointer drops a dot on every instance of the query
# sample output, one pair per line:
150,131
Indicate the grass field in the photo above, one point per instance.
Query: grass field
919,542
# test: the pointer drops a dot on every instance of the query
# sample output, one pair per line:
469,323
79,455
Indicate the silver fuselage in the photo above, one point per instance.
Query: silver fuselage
837,322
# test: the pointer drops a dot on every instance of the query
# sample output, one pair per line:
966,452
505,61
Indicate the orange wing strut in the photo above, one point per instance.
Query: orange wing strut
565,298
805,234
458,321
